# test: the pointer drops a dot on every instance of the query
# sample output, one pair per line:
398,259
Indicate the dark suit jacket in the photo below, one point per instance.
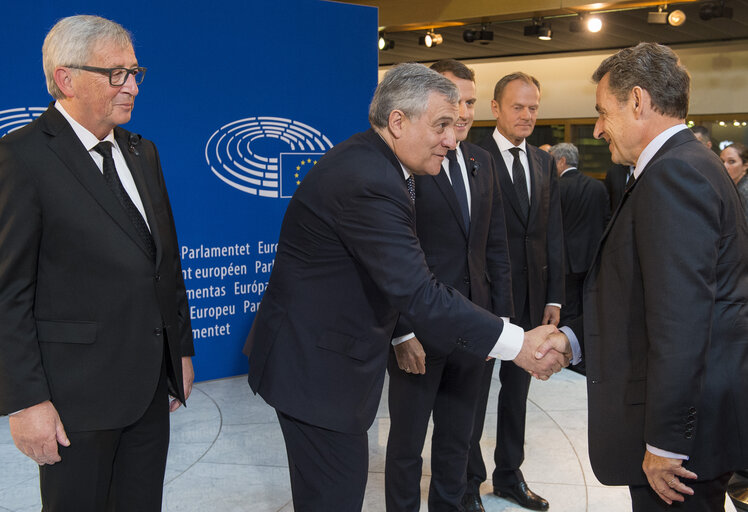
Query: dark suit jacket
83,308
535,246
615,184
348,262
584,207
476,263
666,321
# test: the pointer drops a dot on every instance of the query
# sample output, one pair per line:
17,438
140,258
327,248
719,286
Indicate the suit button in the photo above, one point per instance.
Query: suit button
466,280
688,435
157,331
157,277
692,410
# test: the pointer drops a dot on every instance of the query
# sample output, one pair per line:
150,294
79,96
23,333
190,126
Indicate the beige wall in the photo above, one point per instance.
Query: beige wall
719,80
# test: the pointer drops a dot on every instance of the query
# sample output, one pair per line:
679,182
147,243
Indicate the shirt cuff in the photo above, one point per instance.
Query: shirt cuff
554,304
509,343
576,350
400,339
662,453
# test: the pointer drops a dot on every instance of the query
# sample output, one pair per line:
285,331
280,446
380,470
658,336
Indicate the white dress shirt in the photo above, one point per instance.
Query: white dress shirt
89,140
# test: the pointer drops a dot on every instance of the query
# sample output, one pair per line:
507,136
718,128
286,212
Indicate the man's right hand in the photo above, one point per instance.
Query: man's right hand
36,431
410,356
544,367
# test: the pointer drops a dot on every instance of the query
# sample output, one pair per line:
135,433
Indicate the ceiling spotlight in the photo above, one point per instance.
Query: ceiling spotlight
385,44
539,29
544,32
483,35
676,18
714,9
594,24
430,39
657,18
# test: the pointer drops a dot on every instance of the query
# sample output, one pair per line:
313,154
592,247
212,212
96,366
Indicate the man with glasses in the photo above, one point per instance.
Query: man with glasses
94,326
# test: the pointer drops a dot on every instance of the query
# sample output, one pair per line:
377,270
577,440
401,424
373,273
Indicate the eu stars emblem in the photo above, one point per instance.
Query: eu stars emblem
294,167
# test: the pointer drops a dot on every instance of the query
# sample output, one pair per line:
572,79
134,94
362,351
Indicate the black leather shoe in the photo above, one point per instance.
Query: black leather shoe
472,503
522,495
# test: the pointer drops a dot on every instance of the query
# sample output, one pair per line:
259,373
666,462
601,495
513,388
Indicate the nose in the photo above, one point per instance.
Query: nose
598,132
462,110
449,140
131,85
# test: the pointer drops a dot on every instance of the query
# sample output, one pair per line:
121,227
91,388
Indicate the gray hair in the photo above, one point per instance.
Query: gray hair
568,151
653,67
407,87
72,41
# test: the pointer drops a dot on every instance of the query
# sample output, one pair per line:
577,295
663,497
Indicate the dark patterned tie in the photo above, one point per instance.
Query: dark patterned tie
520,182
111,177
458,184
411,188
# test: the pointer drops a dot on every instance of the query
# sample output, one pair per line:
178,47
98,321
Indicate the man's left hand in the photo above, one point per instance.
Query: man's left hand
664,476
188,376
551,315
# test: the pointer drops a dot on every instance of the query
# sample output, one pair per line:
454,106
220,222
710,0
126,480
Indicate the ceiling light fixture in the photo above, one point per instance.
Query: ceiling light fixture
594,24
545,33
431,39
657,18
714,9
539,29
676,18
483,35
384,43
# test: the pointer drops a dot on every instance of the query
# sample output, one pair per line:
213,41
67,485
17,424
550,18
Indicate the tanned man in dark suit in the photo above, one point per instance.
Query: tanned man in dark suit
94,324
348,263
532,208
584,208
460,224
666,300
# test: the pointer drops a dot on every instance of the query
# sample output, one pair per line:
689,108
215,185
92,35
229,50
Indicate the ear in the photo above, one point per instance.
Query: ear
395,123
64,80
638,96
495,109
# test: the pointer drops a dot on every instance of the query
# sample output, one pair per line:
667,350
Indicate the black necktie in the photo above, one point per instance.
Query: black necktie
111,177
411,188
455,173
520,182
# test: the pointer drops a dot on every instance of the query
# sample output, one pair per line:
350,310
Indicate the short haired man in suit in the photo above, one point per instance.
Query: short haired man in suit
666,299
702,135
94,325
584,208
348,264
460,224
532,209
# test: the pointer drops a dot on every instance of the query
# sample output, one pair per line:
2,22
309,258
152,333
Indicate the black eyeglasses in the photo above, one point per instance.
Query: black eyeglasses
117,76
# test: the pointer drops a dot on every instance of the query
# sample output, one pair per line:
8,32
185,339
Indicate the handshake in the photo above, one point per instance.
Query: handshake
545,351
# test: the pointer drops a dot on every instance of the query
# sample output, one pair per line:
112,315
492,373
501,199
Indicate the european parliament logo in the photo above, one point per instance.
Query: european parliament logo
265,156
15,118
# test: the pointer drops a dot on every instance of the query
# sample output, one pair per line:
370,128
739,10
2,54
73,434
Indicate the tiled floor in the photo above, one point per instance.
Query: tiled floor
227,455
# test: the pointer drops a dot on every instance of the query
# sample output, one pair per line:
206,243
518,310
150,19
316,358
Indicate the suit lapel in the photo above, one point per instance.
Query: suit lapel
136,163
69,149
448,191
506,183
473,176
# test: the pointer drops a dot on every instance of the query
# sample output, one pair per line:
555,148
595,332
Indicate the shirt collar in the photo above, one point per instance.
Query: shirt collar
88,139
505,145
568,169
654,146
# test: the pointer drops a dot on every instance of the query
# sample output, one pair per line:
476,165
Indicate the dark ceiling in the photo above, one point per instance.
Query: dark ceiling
620,29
